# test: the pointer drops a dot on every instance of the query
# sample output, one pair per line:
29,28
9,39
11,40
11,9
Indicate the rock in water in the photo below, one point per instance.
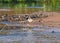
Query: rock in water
53,31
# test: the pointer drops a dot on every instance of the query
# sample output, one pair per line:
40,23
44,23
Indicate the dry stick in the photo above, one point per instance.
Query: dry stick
2,28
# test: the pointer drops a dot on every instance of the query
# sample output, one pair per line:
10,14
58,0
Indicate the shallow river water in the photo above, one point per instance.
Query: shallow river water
35,35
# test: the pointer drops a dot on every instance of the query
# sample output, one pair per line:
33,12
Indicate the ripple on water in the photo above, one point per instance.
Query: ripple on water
27,37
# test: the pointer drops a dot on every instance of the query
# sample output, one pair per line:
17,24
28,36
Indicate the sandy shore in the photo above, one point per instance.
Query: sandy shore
52,20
